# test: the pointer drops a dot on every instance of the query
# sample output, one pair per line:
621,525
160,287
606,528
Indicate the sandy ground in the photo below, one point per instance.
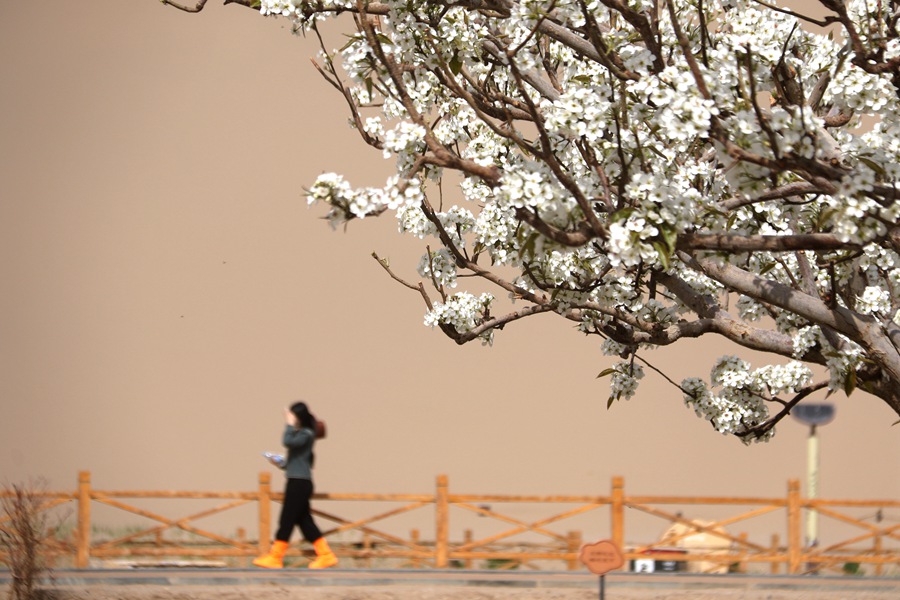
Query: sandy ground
407,592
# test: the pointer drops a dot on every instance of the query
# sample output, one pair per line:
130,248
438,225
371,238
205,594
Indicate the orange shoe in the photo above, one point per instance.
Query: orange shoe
324,556
275,558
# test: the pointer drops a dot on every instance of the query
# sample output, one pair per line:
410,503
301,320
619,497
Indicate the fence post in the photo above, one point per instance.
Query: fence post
876,549
414,538
794,533
83,548
775,566
741,565
574,543
241,535
367,550
442,525
617,512
265,512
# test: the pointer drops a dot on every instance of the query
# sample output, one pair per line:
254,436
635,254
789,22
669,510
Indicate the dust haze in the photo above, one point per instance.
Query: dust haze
166,291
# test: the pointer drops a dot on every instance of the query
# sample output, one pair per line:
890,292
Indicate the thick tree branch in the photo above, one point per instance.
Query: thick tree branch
715,319
880,341
728,242
778,294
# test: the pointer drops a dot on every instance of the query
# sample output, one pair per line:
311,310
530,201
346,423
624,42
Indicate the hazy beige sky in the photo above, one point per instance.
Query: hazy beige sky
166,292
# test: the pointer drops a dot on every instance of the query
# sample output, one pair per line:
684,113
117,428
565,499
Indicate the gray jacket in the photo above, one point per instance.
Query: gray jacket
299,444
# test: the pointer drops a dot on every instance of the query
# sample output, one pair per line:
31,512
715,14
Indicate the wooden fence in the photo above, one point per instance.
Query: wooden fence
504,539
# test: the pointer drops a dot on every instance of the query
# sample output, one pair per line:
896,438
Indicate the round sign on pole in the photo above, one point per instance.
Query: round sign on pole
601,557
814,414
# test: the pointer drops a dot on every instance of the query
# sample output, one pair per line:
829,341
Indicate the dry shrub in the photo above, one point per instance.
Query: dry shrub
22,536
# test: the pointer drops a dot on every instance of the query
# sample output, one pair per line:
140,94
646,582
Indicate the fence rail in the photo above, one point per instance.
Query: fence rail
511,540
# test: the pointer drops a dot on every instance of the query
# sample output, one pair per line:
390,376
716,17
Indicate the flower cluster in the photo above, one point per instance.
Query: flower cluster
625,377
439,267
281,8
741,404
729,413
347,203
463,312
874,301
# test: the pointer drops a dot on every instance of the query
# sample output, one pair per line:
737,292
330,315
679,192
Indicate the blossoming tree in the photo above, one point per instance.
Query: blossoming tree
651,170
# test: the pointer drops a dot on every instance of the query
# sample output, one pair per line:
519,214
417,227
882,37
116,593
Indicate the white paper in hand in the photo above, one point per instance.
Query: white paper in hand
275,459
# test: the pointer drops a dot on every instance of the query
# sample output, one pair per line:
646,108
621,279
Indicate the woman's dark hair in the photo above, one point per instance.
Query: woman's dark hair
306,418
307,421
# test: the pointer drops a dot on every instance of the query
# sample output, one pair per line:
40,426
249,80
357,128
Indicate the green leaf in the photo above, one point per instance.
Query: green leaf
656,151
621,215
528,246
455,64
824,217
713,211
663,252
671,238
350,40
731,220
872,165
605,372
850,382
609,402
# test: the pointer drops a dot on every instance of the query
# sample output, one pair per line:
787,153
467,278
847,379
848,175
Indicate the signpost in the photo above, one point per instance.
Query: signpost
600,558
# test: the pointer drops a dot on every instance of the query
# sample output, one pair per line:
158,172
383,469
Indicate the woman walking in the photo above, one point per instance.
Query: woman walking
299,437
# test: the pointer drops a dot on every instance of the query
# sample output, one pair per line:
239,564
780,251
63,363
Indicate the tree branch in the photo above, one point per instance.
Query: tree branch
812,309
197,8
490,175
729,242
799,188
766,426
581,236
500,322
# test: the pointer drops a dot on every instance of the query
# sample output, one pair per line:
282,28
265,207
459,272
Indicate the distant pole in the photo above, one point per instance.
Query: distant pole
812,486
813,415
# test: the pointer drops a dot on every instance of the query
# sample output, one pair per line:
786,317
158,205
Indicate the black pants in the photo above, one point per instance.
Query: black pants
295,511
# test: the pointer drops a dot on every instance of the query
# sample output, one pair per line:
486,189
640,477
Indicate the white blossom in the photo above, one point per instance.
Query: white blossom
625,379
463,312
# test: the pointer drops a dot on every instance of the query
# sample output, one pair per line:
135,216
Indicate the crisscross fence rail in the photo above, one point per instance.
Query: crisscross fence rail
499,531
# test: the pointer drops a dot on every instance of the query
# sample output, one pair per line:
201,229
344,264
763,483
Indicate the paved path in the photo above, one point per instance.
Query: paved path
461,578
